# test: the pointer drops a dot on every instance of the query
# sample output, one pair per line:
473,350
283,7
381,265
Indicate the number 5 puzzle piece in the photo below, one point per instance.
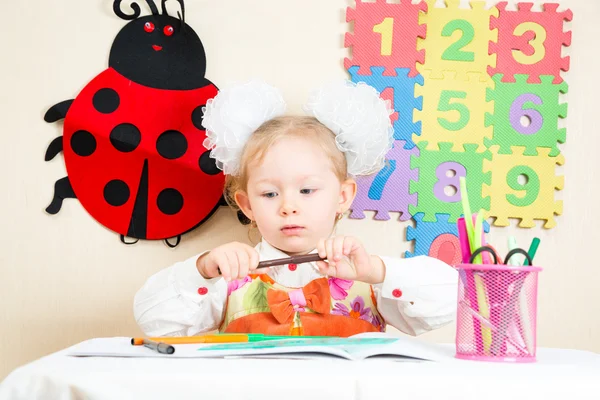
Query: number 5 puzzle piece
387,191
530,42
458,40
533,199
385,34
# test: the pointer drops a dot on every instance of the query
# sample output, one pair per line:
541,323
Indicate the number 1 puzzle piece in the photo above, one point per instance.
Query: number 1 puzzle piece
404,101
387,191
528,200
530,42
458,40
539,103
385,34
438,239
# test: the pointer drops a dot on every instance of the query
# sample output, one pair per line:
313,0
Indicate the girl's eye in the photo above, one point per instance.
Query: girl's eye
149,27
307,191
168,30
269,195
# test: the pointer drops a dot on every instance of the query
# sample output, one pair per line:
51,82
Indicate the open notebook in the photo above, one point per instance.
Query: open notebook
358,347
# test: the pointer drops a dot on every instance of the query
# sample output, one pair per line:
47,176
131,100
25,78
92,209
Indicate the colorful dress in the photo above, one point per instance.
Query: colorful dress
418,294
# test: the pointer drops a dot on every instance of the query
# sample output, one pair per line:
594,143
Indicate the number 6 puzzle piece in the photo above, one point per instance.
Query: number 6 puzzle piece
530,42
385,34
539,102
531,200
387,191
458,40
438,239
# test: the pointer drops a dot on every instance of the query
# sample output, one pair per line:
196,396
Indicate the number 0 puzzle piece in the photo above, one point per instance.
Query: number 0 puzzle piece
458,40
404,101
385,34
530,42
388,190
440,170
437,239
453,111
524,187
539,103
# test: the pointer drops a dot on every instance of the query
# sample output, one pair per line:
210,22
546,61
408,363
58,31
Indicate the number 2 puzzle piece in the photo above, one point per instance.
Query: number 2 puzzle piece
453,111
530,42
539,103
528,201
437,239
458,40
441,170
404,101
385,34
387,191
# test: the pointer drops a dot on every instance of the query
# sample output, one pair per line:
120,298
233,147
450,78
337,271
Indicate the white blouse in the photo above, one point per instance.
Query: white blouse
417,295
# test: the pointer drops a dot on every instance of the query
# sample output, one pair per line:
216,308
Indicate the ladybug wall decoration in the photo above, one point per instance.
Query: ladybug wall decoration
132,138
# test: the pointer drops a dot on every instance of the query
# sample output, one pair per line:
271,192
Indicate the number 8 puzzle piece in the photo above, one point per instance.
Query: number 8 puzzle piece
530,42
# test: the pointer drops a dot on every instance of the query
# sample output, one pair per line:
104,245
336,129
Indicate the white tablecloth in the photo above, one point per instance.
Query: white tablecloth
566,374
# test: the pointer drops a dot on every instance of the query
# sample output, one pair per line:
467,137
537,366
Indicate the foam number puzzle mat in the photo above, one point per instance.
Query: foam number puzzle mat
477,92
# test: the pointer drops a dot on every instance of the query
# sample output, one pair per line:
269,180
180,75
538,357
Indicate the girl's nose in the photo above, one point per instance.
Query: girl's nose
288,209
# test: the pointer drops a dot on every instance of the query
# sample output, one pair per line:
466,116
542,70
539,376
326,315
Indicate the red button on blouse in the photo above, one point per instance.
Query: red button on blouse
202,291
397,293
292,267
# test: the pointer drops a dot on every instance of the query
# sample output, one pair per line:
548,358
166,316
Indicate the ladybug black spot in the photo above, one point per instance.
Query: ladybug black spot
106,101
83,143
116,193
208,164
125,137
171,145
197,116
169,201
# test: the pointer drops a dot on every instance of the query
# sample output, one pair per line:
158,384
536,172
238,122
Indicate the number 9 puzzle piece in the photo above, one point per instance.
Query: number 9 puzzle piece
530,42
524,187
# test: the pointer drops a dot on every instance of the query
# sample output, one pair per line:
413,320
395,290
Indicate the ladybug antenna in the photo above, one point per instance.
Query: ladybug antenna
152,6
134,6
181,15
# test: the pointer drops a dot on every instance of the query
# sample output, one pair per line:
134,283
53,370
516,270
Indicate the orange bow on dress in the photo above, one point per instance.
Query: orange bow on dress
315,296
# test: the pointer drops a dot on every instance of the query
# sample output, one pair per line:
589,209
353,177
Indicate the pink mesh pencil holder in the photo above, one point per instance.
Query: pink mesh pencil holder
497,311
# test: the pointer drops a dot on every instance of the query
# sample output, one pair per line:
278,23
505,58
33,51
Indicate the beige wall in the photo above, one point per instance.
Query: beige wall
65,278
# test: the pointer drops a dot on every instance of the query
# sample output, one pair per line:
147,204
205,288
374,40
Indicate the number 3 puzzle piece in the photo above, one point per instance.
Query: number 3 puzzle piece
528,200
387,191
458,40
438,239
385,34
530,42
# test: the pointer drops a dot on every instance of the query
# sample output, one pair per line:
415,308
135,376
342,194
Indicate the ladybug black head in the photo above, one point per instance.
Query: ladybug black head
158,50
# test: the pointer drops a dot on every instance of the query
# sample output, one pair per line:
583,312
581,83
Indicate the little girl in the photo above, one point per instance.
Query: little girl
292,176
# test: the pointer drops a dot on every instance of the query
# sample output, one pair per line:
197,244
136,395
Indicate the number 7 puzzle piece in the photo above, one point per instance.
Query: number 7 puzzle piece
530,42
387,191
385,34
528,200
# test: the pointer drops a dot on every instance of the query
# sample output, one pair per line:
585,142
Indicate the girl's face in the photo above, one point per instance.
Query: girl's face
294,195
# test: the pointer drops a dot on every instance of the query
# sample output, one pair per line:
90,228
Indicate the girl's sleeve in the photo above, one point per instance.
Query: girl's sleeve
418,294
178,301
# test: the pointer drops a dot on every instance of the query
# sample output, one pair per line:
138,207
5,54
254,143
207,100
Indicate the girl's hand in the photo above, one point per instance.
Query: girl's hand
234,260
348,259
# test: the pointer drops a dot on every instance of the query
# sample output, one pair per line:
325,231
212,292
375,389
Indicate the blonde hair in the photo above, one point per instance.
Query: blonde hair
270,132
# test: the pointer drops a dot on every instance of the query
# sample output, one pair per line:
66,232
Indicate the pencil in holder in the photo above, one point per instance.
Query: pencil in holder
497,310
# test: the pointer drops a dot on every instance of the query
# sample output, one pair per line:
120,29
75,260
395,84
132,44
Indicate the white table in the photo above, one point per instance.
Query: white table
566,374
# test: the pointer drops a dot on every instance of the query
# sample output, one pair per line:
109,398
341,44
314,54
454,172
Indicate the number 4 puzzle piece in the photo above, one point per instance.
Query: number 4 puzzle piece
385,34
530,42
438,239
387,191
530,199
